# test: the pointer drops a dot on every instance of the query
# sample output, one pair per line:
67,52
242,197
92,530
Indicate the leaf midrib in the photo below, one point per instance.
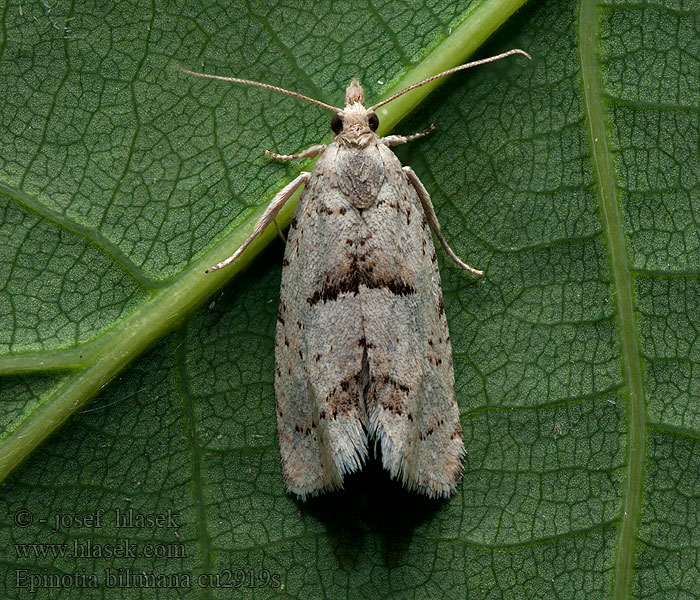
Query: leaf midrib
613,232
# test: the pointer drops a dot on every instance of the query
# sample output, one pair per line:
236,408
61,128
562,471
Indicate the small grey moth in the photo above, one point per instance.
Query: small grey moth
363,351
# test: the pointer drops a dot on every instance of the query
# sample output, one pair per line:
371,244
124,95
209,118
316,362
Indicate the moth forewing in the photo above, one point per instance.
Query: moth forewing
363,351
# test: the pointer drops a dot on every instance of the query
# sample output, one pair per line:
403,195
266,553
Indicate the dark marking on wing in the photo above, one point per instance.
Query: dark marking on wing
359,272
304,429
344,397
386,379
431,430
393,400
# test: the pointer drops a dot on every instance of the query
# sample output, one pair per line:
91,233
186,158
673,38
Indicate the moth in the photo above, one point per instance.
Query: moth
363,354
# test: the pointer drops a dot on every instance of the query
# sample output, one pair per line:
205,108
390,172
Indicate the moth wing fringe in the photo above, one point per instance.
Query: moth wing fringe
395,461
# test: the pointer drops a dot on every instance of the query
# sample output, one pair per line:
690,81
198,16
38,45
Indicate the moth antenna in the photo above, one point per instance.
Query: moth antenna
475,63
262,85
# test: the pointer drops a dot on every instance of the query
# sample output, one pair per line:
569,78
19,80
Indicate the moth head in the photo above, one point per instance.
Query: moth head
355,125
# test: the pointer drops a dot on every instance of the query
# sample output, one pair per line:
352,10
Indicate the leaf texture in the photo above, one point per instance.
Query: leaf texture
571,180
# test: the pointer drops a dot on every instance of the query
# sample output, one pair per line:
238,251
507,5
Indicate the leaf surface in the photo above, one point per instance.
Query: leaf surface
572,180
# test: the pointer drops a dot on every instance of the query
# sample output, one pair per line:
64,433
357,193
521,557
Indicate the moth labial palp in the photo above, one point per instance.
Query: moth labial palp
363,351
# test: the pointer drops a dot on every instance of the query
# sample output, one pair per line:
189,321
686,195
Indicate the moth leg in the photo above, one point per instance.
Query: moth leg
433,220
308,153
279,231
268,217
395,140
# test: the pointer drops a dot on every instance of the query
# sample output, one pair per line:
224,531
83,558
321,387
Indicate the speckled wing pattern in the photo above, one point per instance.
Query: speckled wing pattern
363,353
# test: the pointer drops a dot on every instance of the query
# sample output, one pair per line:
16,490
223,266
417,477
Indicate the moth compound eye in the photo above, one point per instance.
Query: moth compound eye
336,124
373,122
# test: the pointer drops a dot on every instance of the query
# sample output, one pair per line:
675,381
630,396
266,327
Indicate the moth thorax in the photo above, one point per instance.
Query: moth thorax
354,93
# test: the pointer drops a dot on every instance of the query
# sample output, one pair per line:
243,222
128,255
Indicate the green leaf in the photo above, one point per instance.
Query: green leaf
572,180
